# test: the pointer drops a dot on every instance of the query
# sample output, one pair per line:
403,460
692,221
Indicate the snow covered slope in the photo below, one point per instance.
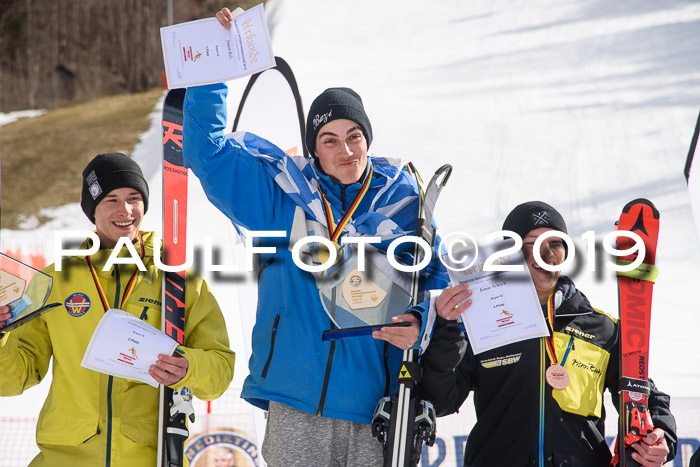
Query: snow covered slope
583,104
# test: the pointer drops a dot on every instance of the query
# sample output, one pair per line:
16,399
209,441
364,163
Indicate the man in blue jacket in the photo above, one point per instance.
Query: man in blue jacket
320,395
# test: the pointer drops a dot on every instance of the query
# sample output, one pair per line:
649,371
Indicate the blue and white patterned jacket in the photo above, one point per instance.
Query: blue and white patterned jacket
260,188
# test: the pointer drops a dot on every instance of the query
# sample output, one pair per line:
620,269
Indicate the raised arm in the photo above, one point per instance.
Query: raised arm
234,180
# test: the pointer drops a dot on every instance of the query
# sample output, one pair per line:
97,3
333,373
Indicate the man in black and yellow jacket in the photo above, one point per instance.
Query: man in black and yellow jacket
524,416
89,418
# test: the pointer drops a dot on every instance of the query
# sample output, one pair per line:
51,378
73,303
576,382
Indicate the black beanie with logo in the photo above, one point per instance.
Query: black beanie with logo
334,104
107,172
533,215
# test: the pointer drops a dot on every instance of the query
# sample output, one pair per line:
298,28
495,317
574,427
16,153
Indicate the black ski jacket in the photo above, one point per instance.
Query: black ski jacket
520,418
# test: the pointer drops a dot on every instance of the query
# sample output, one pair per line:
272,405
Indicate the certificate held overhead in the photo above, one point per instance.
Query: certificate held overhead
202,52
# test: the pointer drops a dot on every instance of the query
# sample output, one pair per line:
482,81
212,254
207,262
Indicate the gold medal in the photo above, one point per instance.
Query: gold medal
334,230
557,376
324,254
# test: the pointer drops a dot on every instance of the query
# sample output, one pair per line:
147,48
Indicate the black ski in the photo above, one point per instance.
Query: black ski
403,423
691,151
286,71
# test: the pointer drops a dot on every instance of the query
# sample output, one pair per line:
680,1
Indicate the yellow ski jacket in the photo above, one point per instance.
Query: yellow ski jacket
92,419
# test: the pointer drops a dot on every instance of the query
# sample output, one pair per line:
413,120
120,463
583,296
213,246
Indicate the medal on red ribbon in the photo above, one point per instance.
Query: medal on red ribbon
336,230
556,375
129,285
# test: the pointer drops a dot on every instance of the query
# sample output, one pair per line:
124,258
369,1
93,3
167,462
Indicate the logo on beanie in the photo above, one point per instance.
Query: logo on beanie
92,178
94,187
318,119
540,218
95,190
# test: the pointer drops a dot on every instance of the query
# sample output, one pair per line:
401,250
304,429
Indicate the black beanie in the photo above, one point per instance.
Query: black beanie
333,104
107,172
533,215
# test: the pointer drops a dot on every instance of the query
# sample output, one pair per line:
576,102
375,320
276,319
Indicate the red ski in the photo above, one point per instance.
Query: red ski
634,297
174,406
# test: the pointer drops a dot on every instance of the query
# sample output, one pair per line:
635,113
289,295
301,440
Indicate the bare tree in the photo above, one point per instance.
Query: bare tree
53,52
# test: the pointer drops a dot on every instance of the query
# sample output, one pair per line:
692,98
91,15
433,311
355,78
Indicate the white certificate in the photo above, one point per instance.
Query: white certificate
204,52
125,346
505,307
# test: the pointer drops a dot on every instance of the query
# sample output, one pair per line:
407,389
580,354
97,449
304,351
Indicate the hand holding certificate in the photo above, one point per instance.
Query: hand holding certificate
124,346
204,52
505,307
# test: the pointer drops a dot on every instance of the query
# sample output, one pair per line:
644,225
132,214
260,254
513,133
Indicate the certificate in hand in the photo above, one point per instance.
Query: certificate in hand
505,308
124,346
204,52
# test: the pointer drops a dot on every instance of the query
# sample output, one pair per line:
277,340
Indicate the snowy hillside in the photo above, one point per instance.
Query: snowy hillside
585,105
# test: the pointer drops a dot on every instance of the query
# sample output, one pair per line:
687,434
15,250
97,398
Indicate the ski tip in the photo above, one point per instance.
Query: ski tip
643,201
281,63
445,171
175,97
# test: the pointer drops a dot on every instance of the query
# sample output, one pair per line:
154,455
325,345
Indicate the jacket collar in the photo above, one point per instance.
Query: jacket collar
568,299
332,188
100,258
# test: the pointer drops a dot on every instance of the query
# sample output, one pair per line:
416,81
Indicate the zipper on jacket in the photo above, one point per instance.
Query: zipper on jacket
387,376
540,435
110,382
342,195
264,266
326,378
108,459
272,345
92,436
115,274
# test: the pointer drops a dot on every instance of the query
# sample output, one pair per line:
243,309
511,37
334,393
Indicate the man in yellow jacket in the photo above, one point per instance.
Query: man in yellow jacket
89,418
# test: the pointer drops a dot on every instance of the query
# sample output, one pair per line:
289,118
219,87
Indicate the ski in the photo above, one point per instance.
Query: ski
403,423
691,151
174,406
634,297
286,71
692,177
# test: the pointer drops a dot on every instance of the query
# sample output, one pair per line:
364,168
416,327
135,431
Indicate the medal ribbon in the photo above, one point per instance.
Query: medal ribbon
129,285
549,340
334,230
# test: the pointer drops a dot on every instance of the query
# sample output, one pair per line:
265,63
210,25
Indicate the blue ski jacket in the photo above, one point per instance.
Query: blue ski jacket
290,363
